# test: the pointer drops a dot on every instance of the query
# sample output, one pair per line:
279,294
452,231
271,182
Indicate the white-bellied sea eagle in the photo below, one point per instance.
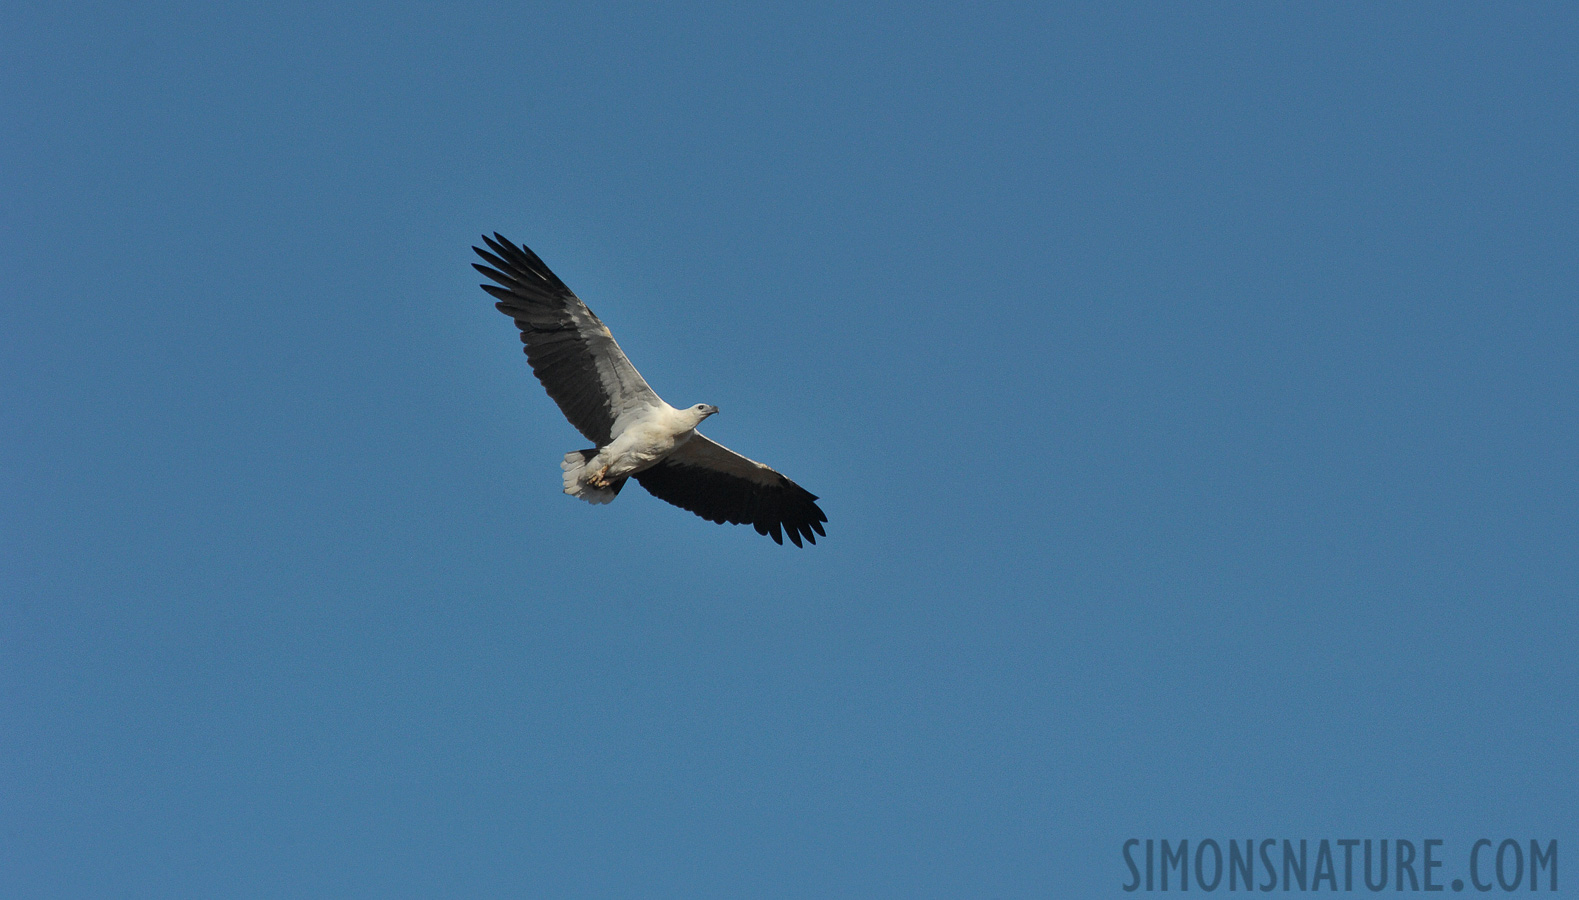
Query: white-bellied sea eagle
637,434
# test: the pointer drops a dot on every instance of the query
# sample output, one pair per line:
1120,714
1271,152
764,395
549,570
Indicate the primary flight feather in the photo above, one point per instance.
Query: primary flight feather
637,434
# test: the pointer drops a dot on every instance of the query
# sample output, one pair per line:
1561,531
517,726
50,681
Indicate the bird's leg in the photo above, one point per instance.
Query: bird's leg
598,480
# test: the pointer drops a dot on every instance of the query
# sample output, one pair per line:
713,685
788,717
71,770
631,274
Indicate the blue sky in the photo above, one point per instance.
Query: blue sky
1191,390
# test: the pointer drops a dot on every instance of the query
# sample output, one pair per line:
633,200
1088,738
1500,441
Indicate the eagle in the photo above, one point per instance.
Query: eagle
637,435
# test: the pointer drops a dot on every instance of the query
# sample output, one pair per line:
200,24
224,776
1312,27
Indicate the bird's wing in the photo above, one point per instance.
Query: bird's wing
720,485
570,350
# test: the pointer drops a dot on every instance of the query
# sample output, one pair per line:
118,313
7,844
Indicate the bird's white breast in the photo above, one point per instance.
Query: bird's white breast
648,440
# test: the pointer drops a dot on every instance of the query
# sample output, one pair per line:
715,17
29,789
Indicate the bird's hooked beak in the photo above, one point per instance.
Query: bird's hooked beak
712,410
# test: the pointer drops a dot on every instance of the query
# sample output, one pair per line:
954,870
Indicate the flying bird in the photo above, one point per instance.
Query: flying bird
637,435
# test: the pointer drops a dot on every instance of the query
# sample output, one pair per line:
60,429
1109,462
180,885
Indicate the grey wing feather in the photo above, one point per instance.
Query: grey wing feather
569,349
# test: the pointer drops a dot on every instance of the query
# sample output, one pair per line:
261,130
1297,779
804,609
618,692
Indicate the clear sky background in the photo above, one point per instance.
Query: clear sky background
1193,391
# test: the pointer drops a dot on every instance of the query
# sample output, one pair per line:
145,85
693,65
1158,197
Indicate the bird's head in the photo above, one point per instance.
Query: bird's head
703,410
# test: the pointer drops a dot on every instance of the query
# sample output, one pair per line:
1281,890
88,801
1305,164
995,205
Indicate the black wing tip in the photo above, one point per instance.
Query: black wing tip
493,274
519,263
504,250
803,528
502,295
499,258
799,530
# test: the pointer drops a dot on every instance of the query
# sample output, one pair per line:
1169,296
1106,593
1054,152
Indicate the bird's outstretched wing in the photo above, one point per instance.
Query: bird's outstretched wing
570,350
720,485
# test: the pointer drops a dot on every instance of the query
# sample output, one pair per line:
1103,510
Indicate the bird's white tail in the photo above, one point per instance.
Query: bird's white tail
575,466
